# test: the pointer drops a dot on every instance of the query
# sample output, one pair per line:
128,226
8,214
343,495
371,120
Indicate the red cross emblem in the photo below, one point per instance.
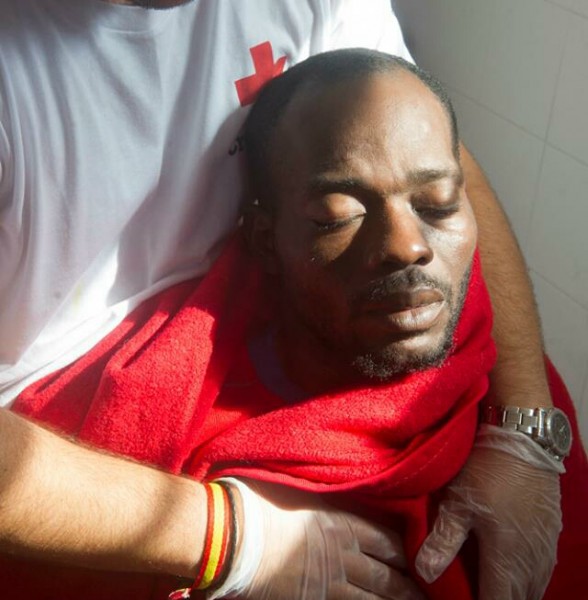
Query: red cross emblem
265,69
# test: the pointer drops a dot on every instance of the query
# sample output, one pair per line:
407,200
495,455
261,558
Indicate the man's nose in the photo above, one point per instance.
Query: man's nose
398,240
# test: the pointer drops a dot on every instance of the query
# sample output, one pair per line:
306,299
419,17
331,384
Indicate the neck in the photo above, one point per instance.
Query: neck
308,364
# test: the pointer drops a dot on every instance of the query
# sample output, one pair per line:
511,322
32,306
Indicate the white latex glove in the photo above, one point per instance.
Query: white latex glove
508,495
312,553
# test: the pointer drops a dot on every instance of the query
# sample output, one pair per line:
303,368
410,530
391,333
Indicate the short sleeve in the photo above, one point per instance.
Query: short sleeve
367,24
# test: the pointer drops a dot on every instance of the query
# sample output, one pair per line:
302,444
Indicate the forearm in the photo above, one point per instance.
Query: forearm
519,375
62,502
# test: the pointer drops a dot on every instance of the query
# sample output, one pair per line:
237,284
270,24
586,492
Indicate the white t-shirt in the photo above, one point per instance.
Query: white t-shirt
118,171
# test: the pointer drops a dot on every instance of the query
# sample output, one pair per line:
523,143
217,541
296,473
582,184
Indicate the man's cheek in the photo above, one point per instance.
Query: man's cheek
333,249
323,292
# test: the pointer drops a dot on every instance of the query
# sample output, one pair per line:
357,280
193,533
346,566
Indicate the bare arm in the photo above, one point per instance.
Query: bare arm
69,504
519,375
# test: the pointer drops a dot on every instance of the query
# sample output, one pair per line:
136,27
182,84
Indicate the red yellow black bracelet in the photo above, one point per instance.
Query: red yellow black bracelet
220,541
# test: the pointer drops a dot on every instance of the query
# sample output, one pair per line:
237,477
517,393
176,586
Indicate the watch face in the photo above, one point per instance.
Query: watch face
559,432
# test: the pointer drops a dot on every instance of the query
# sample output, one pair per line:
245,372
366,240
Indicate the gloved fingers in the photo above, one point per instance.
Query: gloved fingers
383,544
376,578
511,578
496,583
450,531
503,584
516,564
518,550
508,493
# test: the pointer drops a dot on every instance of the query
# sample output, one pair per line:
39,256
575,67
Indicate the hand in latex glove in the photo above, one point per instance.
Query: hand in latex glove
294,547
508,495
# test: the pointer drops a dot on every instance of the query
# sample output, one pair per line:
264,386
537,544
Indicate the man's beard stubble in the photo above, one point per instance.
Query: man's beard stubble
387,364
371,365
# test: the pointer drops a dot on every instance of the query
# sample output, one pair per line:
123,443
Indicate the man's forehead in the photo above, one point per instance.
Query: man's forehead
382,130
374,108
339,100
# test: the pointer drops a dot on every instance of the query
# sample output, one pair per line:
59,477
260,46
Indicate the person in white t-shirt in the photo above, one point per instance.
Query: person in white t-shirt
119,177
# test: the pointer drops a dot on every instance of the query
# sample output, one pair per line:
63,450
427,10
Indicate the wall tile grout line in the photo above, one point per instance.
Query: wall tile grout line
573,157
559,289
573,11
452,88
533,211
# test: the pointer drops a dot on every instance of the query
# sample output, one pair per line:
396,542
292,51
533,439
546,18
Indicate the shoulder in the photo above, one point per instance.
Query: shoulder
373,24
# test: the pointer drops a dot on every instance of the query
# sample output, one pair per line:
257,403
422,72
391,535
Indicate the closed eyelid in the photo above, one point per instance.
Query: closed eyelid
336,224
446,197
335,200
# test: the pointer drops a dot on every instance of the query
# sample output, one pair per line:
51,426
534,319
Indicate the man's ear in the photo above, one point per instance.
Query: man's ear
258,224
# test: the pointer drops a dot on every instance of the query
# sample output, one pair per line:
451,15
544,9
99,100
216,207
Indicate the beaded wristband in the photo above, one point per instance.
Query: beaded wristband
220,541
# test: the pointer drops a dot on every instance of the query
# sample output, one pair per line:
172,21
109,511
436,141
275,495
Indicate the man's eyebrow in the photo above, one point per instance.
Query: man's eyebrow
324,183
329,184
425,176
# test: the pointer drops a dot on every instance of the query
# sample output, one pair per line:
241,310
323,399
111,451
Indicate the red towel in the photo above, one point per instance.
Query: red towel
153,390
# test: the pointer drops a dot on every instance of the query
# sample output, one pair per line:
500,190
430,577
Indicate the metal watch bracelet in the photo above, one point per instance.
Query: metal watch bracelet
549,427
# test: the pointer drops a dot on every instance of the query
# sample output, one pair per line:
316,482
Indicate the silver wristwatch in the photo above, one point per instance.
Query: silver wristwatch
549,427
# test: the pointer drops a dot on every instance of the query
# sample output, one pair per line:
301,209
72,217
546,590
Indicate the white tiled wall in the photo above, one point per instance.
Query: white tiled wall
517,71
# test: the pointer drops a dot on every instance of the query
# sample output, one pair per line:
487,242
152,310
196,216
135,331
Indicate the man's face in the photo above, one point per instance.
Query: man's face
373,235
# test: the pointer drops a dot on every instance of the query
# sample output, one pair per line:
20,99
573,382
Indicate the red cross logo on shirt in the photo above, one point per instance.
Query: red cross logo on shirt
265,69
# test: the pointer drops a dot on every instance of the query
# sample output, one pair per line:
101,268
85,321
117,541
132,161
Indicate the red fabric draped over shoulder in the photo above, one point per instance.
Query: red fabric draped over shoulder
153,390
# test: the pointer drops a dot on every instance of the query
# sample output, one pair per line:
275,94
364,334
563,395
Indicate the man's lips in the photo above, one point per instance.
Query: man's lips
404,300
406,312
